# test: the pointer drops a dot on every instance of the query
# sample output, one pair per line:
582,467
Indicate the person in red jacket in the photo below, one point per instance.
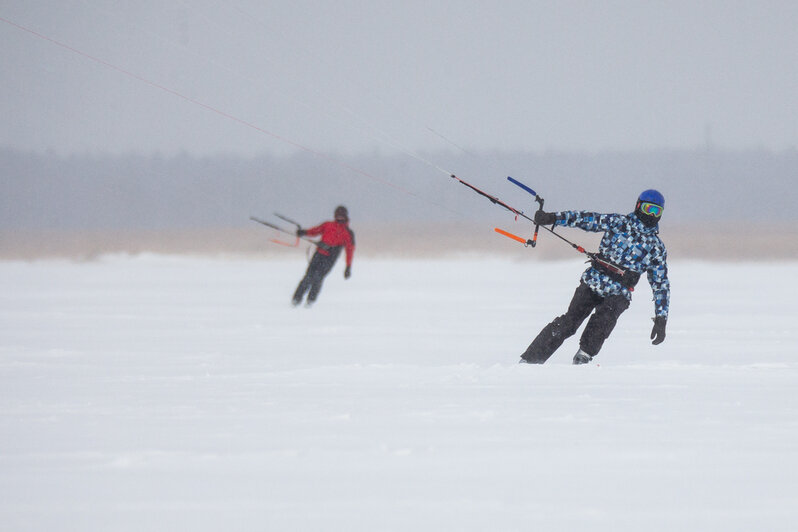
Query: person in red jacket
335,235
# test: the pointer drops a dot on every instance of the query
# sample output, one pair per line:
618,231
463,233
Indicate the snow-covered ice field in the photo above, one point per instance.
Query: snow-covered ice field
173,393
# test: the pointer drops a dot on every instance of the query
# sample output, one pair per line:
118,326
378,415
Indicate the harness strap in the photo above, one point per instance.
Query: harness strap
627,278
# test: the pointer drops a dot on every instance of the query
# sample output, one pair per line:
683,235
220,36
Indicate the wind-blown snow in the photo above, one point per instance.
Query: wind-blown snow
162,393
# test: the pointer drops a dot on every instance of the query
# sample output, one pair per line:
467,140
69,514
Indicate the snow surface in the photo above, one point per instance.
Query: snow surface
174,393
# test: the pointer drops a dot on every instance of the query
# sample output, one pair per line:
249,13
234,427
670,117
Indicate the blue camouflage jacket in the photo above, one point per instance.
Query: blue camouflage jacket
628,243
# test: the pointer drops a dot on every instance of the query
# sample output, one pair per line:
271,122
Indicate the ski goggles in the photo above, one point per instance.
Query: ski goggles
652,209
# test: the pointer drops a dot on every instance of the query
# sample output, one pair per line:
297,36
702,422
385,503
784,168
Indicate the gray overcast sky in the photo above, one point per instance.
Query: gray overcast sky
356,76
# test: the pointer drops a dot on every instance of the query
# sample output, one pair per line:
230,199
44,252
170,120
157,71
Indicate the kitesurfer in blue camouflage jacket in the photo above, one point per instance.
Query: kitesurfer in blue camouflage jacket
630,247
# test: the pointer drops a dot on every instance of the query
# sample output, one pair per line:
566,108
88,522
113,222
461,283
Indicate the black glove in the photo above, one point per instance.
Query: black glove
658,332
348,272
301,232
545,218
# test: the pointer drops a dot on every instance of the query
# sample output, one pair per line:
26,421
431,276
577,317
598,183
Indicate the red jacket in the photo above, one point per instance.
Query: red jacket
333,236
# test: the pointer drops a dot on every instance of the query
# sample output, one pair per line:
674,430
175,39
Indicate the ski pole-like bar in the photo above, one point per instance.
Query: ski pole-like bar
517,238
523,186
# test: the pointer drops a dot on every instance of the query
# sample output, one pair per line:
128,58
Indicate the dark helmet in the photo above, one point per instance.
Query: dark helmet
341,214
652,196
650,205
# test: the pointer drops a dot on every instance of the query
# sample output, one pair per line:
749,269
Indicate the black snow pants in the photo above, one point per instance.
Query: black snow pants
320,265
598,328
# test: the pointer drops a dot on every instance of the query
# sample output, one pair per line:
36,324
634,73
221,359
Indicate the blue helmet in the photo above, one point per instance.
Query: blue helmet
649,214
652,196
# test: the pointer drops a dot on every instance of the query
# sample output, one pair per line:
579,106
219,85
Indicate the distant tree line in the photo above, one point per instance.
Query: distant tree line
81,192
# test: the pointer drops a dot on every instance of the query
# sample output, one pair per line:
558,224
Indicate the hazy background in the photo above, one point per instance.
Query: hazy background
139,125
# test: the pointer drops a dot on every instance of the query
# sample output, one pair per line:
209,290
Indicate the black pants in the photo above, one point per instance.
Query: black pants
598,328
320,265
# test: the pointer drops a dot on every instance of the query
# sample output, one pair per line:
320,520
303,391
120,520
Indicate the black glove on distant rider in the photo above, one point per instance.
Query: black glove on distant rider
301,232
658,332
545,218
348,272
